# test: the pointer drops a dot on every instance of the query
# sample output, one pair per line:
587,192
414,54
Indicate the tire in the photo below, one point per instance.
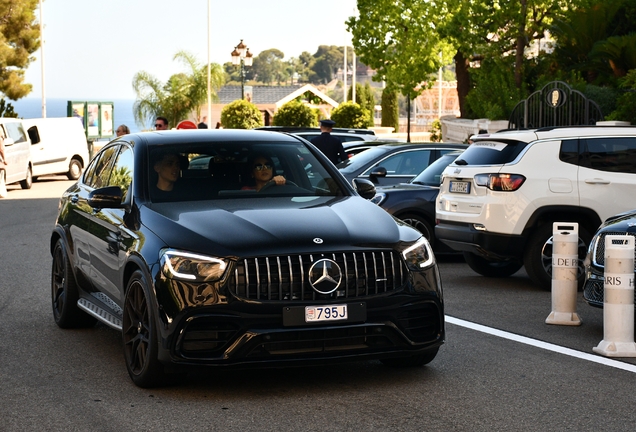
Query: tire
488,268
420,224
64,293
28,181
538,255
411,361
74,169
139,334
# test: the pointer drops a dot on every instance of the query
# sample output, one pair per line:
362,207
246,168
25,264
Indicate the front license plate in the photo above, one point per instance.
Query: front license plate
459,187
325,313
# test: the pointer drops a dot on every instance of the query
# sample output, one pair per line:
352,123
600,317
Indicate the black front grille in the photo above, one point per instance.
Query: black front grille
285,278
324,341
599,253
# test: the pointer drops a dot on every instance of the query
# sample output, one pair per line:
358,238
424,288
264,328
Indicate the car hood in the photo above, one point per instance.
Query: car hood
405,187
623,222
241,227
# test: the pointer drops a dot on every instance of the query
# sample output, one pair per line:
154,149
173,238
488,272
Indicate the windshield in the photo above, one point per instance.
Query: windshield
187,172
360,160
432,175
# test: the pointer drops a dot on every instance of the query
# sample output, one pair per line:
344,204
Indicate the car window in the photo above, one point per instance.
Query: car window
491,152
432,175
361,160
122,172
609,154
15,131
226,171
408,162
99,171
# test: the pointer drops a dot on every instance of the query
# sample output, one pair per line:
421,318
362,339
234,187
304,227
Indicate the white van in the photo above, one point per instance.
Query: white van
17,152
58,146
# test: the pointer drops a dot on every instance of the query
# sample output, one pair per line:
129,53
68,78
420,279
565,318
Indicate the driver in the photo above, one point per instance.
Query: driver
262,173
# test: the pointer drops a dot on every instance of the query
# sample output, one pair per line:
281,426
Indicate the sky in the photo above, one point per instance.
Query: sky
92,49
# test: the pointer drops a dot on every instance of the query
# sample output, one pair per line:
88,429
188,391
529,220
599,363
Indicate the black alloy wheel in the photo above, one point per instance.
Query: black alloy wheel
64,293
139,335
538,255
420,224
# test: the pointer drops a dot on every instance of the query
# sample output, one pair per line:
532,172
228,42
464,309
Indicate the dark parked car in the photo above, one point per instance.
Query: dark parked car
393,163
213,274
414,202
309,133
593,288
352,148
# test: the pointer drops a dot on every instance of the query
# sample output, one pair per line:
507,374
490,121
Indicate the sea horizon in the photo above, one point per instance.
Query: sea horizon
31,107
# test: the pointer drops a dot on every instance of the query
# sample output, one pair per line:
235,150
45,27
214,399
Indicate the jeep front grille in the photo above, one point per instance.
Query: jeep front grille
285,278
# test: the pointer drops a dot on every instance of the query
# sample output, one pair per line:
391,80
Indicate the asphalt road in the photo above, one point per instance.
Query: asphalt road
61,380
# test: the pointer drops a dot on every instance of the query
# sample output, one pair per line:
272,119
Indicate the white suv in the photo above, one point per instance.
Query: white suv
499,199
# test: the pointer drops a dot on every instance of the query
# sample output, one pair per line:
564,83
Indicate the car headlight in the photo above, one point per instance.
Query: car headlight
379,198
419,255
192,267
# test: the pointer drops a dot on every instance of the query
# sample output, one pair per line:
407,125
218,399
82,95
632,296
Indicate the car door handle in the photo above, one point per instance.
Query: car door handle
597,181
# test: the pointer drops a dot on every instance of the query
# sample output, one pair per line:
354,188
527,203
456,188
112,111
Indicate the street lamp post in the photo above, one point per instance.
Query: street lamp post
243,57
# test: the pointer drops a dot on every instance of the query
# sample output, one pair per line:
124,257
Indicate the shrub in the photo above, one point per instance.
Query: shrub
241,114
494,94
365,97
626,102
350,115
295,113
436,131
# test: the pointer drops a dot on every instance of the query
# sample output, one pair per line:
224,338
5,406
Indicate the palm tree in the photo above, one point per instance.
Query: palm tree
180,97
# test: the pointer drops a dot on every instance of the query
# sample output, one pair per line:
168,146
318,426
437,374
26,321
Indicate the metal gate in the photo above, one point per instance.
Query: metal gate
556,104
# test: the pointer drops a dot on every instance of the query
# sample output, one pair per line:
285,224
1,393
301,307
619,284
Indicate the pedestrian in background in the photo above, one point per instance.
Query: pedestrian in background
329,145
203,124
161,123
122,130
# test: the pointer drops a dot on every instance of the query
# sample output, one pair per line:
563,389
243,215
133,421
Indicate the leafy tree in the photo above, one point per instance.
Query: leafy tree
181,96
6,109
390,113
350,115
241,114
495,94
366,98
295,113
20,37
328,58
268,66
626,102
398,40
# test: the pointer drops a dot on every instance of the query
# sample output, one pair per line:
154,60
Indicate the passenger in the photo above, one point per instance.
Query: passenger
122,130
262,173
168,169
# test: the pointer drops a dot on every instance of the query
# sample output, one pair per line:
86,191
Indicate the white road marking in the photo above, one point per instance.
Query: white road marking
543,345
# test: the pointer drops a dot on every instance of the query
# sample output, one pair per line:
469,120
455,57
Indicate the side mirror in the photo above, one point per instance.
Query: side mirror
377,172
8,141
364,187
107,197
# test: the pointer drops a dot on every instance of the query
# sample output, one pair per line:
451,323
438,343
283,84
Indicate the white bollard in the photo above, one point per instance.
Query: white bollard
618,304
565,267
